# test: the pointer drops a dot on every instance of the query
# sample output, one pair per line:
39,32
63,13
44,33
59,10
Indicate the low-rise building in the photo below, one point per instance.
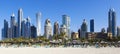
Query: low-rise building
74,35
98,35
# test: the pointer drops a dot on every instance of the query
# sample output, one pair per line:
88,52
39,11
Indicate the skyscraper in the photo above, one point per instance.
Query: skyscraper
63,30
79,33
48,29
2,33
28,28
33,32
20,16
5,29
56,28
15,31
83,29
12,25
9,33
23,26
38,22
66,22
118,31
92,25
112,21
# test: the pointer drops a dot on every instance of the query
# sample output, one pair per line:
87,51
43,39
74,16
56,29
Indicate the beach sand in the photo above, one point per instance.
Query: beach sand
29,50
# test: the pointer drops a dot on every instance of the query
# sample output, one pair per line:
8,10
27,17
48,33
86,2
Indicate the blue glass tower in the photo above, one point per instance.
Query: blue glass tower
92,25
23,25
112,22
66,22
2,33
5,29
83,29
33,32
12,26
118,31
28,30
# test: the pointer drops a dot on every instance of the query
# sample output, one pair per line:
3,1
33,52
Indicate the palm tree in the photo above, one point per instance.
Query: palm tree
55,37
118,38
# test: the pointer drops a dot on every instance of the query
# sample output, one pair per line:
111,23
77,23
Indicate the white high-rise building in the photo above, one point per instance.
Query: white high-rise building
38,22
20,16
63,29
48,29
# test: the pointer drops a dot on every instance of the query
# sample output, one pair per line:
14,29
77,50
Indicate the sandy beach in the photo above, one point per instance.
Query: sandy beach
29,50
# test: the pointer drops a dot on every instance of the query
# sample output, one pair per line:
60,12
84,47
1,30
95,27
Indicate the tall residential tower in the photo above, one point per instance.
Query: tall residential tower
38,23
83,29
28,28
12,26
48,29
66,22
5,30
112,22
20,16
56,28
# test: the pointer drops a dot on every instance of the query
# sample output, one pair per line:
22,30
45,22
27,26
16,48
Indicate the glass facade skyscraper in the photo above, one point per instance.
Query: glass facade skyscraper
79,33
2,33
5,29
83,29
33,32
112,22
92,25
12,26
20,16
23,25
66,22
15,31
28,28
118,31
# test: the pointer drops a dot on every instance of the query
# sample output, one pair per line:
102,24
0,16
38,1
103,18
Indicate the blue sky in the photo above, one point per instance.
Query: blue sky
54,9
